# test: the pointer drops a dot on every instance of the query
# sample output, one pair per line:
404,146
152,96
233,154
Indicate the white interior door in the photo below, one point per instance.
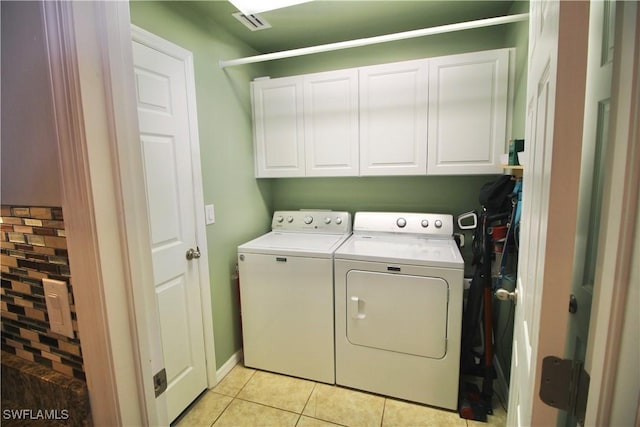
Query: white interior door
161,93
540,99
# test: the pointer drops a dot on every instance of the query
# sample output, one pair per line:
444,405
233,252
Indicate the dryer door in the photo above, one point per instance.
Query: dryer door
397,312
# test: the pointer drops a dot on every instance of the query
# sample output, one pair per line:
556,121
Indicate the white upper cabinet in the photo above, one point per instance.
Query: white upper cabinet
448,115
331,123
468,108
393,119
278,127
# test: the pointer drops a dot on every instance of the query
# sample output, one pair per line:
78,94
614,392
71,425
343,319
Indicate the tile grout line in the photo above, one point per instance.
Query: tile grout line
234,397
221,412
384,408
307,402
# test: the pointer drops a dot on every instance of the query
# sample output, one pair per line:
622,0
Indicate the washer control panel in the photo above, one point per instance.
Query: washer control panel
312,221
410,223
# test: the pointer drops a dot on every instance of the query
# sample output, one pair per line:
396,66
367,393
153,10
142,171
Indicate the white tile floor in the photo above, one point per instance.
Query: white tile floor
246,397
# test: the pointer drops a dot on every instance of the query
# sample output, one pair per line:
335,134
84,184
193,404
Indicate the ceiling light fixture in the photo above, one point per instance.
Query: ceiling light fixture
250,7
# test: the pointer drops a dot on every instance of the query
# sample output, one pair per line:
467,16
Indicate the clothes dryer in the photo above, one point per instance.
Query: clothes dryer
398,307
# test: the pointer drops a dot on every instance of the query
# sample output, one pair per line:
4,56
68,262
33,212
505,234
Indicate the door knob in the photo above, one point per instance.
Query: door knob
504,295
193,253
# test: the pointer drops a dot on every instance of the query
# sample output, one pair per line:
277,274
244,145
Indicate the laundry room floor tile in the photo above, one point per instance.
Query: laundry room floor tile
305,421
248,397
241,413
344,406
400,414
234,381
279,391
205,410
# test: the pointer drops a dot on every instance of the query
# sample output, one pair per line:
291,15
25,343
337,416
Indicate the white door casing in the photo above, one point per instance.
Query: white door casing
592,173
168,137
112,376
612,348
555,96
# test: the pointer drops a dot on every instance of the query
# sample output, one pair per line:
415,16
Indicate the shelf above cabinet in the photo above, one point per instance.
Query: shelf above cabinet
516,171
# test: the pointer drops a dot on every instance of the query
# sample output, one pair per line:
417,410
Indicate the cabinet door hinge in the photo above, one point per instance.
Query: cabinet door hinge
565,385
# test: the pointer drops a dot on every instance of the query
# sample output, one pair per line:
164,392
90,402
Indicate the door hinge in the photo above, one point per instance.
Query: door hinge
565,385
160,382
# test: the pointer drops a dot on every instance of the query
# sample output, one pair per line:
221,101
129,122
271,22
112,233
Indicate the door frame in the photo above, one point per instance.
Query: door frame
186,57
89,47
620,219
103,198
620,225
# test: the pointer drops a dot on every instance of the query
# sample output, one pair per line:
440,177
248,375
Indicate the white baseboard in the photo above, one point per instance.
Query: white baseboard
228,365
502,387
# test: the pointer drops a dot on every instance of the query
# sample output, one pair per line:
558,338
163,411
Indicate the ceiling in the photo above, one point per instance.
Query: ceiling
327,21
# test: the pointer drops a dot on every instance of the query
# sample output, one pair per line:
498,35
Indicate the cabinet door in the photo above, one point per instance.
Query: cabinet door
393,119
468,97
331,123
278,127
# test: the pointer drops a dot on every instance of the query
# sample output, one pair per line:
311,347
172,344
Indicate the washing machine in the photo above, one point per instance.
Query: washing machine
286,294
398,307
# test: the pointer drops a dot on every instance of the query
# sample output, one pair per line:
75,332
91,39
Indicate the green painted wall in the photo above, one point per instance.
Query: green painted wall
438,194
242,204
455,195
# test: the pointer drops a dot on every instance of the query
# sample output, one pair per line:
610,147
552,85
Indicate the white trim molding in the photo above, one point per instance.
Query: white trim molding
229,365
89,49
618,231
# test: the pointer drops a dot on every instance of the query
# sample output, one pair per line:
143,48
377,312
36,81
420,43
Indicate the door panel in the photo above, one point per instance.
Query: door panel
468,104
331,123
393,107
543,39
166,149
278,127
397,312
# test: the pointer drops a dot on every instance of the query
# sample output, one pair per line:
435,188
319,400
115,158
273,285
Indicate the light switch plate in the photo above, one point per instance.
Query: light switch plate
57,299
210,216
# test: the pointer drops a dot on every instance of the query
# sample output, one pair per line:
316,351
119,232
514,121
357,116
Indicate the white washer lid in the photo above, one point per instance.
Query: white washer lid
401,249
295,244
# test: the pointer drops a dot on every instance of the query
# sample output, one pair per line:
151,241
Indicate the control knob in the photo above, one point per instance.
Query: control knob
401,222
289,219
279,218
438,223
425,223
308,219
327,220
338,220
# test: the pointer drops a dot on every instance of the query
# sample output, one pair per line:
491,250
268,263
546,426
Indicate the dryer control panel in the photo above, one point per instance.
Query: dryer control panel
330,222
435,225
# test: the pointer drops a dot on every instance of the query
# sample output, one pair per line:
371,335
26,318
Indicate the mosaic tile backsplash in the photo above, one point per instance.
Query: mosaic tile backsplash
34,247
